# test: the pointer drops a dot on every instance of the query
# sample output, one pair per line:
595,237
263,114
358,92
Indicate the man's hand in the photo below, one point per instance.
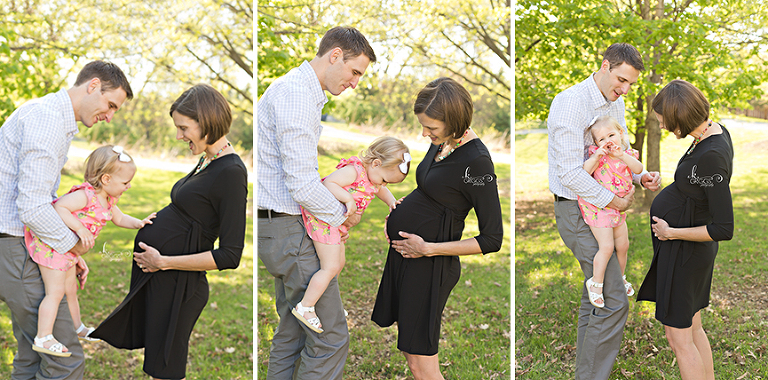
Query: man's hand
81,270
651,181
79,248
622,203
352,221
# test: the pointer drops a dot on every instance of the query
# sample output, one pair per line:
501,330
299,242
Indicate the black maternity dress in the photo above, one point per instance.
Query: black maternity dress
413,292
161,308
680,275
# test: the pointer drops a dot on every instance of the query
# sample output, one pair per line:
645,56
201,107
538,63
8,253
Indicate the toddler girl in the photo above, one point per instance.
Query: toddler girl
611,163
355,183
85,209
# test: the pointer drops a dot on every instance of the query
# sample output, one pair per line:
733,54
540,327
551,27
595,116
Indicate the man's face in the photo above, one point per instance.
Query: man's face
615,83
99,106
342,75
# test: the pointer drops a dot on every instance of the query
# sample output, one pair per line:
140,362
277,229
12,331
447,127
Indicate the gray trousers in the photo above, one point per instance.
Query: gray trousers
296,351
22,289
600,330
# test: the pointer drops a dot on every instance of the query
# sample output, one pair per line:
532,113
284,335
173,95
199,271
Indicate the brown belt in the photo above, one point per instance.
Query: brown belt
3,235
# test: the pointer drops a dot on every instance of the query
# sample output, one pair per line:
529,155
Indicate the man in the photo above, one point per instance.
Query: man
600,330
288,123
36,139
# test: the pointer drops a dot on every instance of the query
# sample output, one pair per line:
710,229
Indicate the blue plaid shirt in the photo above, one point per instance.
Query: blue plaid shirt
33,149
288,130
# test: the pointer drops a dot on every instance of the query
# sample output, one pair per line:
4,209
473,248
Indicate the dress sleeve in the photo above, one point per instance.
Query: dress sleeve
713,174
481,188
230,199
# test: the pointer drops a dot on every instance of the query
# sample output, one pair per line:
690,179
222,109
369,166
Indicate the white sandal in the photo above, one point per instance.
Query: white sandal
87,335
312,323
56,349
594,296
628,287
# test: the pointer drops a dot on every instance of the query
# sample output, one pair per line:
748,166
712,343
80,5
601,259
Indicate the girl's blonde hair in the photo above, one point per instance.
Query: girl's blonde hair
104,160
609,121
386,150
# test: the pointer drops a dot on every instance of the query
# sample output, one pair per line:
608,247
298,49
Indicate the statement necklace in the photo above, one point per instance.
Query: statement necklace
698,139
204,163
440,148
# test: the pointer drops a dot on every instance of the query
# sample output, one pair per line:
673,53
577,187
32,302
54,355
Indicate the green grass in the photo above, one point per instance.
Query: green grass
548,279
475,340
221,345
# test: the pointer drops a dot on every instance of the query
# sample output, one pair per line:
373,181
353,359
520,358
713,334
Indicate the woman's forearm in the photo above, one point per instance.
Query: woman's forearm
454,248
194,262
699,233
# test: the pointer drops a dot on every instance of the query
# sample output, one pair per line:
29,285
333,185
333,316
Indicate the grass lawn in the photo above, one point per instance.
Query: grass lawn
221,345
475,341
548,280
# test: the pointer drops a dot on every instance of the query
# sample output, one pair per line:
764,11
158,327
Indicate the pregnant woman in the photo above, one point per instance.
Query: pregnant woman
422,265
168,285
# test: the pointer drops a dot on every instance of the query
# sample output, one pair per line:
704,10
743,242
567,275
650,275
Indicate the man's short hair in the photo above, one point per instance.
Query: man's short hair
351,42
109,74
622,52
208,108
682,107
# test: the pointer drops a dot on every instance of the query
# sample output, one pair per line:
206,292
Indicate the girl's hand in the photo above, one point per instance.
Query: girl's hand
351,208
614,150
86,237
601,151
147,220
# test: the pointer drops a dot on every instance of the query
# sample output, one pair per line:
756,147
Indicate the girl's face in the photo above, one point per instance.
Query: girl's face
603,134
189,131
434,129
116,183
380,175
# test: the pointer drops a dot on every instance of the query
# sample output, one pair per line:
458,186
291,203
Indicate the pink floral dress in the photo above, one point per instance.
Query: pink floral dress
93,216
362,190
615,176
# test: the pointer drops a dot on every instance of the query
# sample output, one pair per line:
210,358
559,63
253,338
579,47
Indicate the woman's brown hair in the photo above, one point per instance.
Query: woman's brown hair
206,106
447,101
682,107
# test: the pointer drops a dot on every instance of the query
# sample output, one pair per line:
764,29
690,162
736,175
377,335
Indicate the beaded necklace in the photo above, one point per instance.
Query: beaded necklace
204,163
440,148
698,139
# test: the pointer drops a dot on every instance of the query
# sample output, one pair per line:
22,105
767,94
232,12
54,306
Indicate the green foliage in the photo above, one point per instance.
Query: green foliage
416,43
221,342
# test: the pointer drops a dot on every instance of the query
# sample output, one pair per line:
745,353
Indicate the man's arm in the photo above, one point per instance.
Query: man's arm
566,124
297,142
39,171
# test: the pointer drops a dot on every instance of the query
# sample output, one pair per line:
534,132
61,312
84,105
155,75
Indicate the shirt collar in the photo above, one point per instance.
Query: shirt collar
595,96
64,103
313,82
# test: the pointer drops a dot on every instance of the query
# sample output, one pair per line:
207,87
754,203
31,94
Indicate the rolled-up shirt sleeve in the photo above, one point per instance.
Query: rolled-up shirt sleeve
39,180
297,144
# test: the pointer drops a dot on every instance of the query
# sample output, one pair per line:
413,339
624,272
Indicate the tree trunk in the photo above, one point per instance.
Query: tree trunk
653,163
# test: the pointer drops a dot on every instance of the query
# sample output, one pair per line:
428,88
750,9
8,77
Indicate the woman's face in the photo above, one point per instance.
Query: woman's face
677,133
434,129
189,131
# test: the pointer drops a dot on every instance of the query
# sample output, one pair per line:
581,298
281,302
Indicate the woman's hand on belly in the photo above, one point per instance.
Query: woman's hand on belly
411,247
150,260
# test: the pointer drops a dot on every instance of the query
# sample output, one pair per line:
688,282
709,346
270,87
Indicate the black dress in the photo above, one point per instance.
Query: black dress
680,275
161,308
413,292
